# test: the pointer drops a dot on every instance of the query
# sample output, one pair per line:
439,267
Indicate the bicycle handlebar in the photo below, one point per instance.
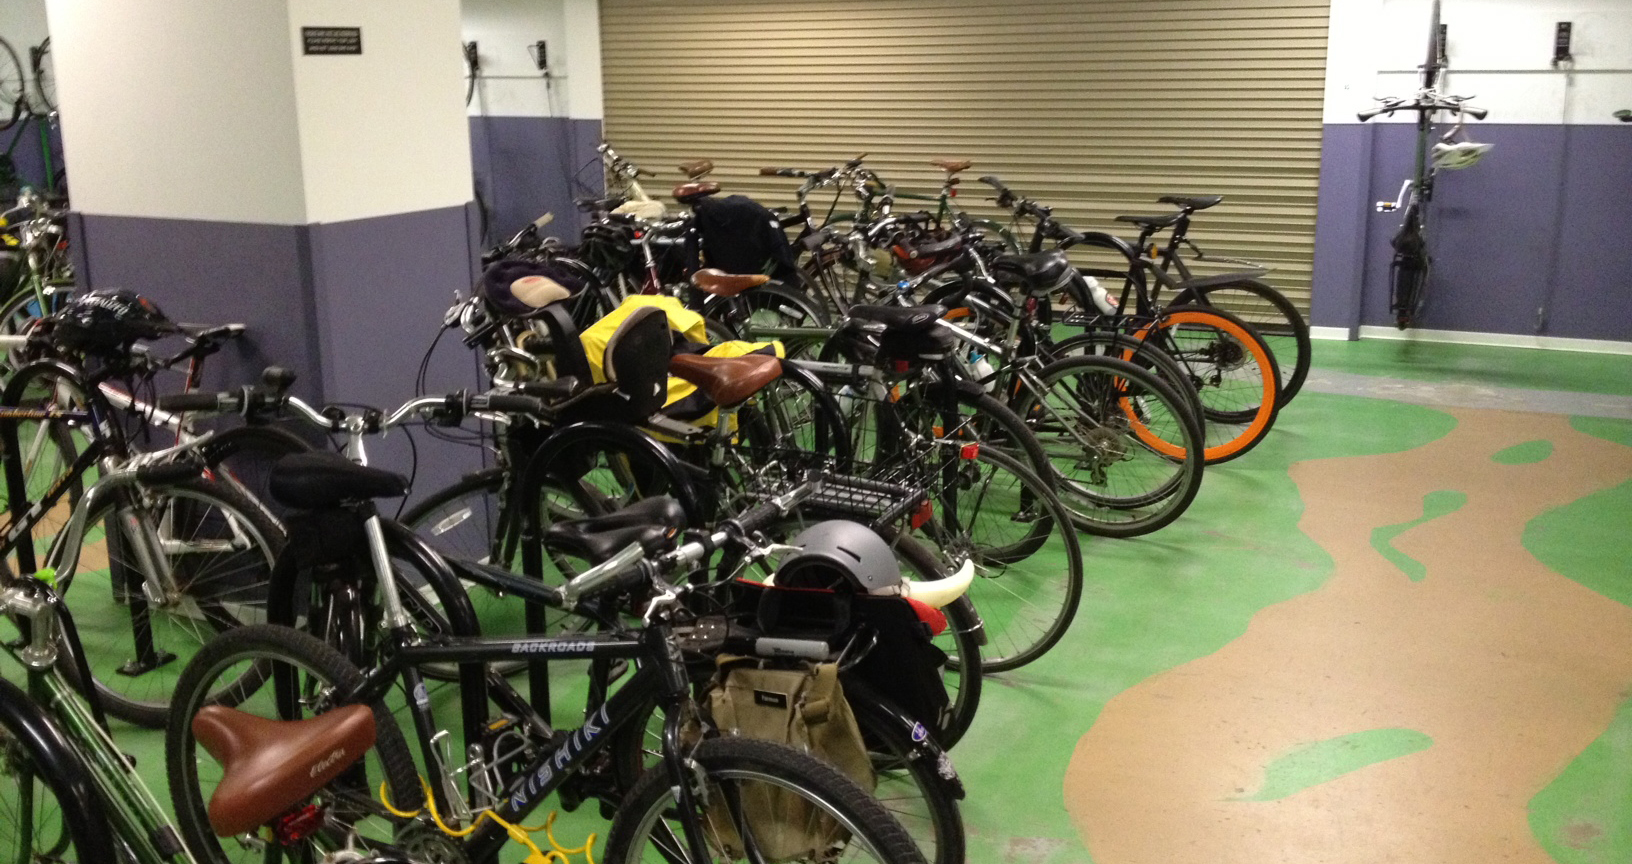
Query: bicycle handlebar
1458,104
249,401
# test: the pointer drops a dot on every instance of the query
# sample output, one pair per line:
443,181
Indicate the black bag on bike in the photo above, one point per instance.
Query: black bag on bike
904,665
739,236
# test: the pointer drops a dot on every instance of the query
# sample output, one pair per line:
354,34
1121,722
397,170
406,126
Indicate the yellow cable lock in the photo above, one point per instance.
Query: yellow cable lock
519,833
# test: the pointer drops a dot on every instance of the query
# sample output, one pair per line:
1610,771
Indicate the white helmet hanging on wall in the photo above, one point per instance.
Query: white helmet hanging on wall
108,322
1459,154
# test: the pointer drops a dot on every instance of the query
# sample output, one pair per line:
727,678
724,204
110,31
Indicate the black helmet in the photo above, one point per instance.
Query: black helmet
107,322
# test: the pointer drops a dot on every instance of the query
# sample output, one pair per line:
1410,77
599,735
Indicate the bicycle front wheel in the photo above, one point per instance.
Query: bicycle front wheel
768,802
162,572
45,791
1124,446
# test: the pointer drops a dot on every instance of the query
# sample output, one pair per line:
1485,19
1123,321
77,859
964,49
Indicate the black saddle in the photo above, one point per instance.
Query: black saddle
900,318
1161,221
320,480
1040,271
650,522
598,205
1191,202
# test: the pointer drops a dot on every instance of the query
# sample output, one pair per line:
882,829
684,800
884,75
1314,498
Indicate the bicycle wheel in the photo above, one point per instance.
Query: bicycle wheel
45,79
908,782
13,85
307,678
469,521
1144,354
1028,562
1232,370
1123,444
138,616
779,306
1408,271
1272,316
45,792
783,804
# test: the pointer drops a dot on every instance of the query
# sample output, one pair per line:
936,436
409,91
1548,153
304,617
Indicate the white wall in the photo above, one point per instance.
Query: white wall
511,84
382,132
1499,50
179,109
22,23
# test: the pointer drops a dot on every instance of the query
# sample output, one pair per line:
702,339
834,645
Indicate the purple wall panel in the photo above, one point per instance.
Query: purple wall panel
527,166
1592,291
382,286
1529,241
215,273
1340,226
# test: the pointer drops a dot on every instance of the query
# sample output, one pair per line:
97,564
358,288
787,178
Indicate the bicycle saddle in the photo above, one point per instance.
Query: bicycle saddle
1161,221
320,480
722,284
1191,202
727,380
269,766
649,522
691,193
1040,271
901,318
696,167
952,166
590,205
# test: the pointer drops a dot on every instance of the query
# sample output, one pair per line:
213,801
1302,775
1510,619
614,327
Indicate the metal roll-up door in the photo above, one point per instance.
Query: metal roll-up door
1094,107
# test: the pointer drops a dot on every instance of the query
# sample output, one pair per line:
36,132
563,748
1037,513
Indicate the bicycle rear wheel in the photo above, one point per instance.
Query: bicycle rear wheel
1232,370
49,811
1276,320
1124,446
307,678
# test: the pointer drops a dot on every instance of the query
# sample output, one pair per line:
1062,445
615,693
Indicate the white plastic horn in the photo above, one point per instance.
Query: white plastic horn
940,592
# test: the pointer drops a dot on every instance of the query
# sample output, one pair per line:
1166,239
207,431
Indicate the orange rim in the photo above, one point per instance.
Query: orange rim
1266,405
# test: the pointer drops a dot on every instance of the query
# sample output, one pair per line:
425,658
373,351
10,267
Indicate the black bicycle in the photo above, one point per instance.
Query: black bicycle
1411,265
711,798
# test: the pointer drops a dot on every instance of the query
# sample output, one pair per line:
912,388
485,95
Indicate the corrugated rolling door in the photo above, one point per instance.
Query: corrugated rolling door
1095,107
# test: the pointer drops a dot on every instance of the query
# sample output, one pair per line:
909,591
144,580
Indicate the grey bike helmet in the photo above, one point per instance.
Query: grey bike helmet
838,554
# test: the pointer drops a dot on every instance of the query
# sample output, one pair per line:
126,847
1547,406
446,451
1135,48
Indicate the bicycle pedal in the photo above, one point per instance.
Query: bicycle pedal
138,668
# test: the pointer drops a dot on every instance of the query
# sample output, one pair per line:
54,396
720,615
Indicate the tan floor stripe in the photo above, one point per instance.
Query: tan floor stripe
1511,668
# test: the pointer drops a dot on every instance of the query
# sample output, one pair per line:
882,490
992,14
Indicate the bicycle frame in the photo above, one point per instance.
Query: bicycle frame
137,819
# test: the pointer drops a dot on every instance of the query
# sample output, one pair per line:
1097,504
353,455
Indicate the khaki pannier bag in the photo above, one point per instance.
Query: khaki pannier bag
805,709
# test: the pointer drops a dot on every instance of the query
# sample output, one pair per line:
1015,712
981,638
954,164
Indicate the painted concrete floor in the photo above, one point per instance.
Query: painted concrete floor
1396,631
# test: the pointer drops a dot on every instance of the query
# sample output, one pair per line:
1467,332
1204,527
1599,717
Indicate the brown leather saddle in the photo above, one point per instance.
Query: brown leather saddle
727,380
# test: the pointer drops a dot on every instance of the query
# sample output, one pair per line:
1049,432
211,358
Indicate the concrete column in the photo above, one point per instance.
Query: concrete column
322,200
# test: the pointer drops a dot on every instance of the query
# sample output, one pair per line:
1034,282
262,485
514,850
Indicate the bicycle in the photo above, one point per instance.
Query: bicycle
1240,292
1232,371
13,86
663,810
77,797
180,555
1411,265
44,275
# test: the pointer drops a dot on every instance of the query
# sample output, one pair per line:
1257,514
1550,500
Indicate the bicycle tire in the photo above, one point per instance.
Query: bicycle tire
218,590
1234,374
910,788
1146,355
1276,320
45,78
13,86
775,304
278,653
737,761
57,814
1126,464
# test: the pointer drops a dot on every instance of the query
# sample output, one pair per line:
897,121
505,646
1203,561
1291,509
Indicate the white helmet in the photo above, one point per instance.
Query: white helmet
1459,154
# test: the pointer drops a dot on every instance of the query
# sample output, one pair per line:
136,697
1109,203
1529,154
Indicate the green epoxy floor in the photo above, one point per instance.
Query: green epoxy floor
1158,606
